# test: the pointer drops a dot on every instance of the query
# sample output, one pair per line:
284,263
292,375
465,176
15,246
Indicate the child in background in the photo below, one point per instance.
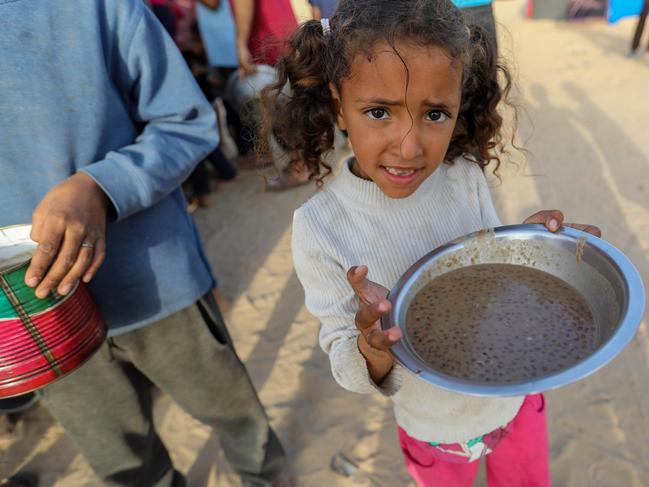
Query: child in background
200,180
180,23
218,32
263,28
219,36
417,90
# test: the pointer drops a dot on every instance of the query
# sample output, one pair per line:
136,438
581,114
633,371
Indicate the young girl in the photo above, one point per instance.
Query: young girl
416,88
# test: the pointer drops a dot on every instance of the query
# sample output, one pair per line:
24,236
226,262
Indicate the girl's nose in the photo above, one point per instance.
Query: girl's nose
410,144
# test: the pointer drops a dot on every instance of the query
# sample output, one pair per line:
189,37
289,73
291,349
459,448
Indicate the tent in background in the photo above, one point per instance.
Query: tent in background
618,9
612,10
581,9
547,9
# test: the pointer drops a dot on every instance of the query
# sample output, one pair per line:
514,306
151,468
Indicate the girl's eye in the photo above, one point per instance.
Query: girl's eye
377,113
437,116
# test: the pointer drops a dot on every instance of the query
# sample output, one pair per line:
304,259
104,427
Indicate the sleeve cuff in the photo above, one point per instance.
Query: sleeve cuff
350,370
118,185
113,214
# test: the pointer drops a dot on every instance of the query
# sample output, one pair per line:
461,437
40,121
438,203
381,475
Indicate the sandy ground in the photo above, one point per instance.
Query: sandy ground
584,125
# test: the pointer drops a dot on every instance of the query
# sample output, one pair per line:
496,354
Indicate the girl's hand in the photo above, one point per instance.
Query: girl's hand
373,342
553,220
69,226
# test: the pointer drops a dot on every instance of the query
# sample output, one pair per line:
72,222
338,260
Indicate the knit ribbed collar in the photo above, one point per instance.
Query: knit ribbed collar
367,195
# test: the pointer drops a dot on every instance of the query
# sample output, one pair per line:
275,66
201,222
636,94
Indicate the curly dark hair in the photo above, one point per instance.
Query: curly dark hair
303,117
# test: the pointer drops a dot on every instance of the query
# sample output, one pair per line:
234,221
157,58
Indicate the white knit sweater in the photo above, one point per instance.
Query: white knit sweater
351,222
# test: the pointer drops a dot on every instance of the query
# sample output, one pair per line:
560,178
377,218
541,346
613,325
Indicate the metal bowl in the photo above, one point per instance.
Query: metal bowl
241,92
605,277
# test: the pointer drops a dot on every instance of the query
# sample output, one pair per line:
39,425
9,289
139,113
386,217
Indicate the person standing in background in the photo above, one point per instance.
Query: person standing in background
218,32
178,17
263,27
219,38
263,30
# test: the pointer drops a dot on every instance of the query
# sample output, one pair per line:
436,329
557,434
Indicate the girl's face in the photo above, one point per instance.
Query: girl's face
400,121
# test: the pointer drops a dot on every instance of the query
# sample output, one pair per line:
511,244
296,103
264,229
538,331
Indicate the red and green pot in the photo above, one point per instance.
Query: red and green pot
41,340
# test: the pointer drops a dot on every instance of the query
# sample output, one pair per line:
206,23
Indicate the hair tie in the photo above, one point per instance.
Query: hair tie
326,28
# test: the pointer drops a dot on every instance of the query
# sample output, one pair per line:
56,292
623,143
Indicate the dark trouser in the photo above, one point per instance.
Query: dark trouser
484,17
200,177
241,132
243,135
106,405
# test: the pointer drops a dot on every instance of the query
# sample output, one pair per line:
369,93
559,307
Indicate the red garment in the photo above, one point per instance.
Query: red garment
519,457
272,25
185,18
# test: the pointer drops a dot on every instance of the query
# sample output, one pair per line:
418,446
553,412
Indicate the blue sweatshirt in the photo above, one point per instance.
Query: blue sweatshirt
98,86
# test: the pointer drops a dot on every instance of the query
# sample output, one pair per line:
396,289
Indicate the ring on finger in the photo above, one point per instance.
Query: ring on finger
88,245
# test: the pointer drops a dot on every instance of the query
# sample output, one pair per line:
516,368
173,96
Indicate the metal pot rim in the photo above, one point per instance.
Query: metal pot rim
14,262
629,323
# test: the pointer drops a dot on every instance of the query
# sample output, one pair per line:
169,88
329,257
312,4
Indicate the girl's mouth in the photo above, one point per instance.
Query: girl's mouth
400,175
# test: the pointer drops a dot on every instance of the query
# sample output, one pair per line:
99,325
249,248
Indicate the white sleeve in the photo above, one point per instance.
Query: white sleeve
330,298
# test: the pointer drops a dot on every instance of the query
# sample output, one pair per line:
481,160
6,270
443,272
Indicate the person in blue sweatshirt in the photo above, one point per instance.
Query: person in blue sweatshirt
100,123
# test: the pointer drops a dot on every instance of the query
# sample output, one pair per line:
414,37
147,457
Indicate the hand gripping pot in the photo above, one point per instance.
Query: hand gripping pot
41,340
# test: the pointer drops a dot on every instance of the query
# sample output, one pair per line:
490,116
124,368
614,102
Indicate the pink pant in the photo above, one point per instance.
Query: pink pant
519,460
